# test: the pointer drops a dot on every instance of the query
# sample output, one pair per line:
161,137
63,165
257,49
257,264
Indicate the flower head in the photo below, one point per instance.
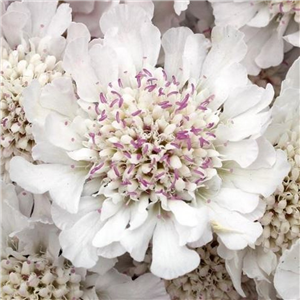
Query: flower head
153,153
267,26
27,55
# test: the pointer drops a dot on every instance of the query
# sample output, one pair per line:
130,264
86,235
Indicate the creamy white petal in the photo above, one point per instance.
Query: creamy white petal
63,183
136,241
264,180
236,200
184,213
170,260
235,231
76,242
243,152
113,228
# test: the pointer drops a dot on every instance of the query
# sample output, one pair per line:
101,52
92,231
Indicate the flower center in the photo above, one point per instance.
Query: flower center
153,137
18,68
37,278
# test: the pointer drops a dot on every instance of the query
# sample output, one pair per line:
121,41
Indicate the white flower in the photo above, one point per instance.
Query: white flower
163,154
287,274
30,262
280,220
31,48
267,25
209,281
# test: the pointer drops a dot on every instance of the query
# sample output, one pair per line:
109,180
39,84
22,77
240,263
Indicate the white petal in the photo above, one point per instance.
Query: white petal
267,155
180,5
64,184
60,21
243,152
293,38
169,260
263,181
235,231
292,78
113,229
262,18
61,135
146,286
105,63
76,242
130,22
77,62
233,13
65,220
271,54
59,96
111,251
136,241
184,213
237,200
200,231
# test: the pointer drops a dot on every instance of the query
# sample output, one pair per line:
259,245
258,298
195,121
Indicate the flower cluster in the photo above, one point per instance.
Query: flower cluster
150,149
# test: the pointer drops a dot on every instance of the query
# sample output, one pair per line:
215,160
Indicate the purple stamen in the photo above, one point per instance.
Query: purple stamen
118,117
211,134
136,113
172,93
195,131
188,158
97,109
113,103
116,171
160,175
92,135
102,98
203,142
165,75
118,145
127,154
160,92
150,88
96,168
120,83
147,72
210,125
175,145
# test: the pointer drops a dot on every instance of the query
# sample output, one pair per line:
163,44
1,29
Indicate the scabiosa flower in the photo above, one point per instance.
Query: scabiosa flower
271,28
31,48
30,264
209,281
280,220
147,153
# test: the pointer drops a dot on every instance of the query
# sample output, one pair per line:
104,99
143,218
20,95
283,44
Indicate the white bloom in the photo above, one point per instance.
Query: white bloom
30,262
31,47
267,25
209,281
163,154
280,221
287,274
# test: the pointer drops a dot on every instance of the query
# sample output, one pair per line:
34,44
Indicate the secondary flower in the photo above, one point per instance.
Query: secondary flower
147,153
271,28
280,220
209,281
31,48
